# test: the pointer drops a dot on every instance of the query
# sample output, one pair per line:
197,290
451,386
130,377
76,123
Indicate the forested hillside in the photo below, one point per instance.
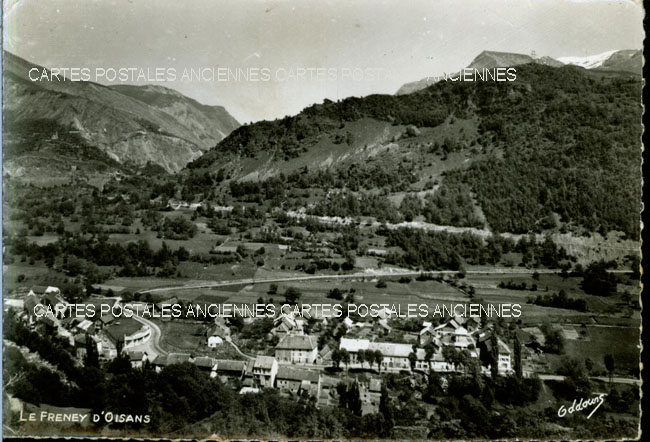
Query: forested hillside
559,148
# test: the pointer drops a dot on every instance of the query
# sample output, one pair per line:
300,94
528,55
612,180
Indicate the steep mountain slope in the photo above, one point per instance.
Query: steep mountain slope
129,131
557,148
492,59
210,124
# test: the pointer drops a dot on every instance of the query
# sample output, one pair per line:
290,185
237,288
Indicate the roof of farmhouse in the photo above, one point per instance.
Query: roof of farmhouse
296,374
297,342
39,289
230,365
265,362
136,356
205,361
30,303
121,328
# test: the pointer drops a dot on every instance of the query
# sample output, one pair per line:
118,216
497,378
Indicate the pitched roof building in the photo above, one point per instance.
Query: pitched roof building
129,331
298,380
298,349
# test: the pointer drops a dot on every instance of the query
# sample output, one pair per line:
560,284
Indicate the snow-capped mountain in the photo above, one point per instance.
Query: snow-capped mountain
588,62
629,60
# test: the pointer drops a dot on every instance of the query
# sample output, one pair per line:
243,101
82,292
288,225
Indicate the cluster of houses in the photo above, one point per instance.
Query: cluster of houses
260,372
45,308
295,365
461,333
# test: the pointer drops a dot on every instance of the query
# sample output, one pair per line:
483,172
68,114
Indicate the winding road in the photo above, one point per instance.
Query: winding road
152,346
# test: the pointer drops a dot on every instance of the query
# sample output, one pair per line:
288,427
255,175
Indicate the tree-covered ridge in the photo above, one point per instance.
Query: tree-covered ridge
559,146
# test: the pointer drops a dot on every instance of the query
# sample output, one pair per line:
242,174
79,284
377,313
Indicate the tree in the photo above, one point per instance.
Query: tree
292,295
596,280
335,293
494,353
430,349
412,360
336,357
518,367
241,251
361,357
92,355
379,357
576,379
449,354
345,357
386,410
369,356
554,339
353,399
609,365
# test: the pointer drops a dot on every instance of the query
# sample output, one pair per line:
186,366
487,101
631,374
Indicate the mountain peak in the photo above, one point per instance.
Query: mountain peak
495,59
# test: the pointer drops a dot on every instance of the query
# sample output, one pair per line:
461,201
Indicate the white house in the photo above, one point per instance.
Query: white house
214,341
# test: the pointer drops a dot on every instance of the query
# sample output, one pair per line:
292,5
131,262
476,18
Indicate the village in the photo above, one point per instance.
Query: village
302,358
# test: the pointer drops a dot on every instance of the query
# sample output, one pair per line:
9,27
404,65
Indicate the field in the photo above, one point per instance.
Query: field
188,337
487,288
200,243
621,342
33,275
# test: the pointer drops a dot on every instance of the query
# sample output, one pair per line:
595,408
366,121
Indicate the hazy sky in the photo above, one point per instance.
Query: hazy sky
392,41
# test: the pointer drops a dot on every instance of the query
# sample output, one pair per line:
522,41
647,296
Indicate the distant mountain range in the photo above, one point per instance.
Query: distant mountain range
629,60
133,126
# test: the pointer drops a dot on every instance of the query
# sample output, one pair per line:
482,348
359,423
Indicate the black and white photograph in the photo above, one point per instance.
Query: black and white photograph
322,220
